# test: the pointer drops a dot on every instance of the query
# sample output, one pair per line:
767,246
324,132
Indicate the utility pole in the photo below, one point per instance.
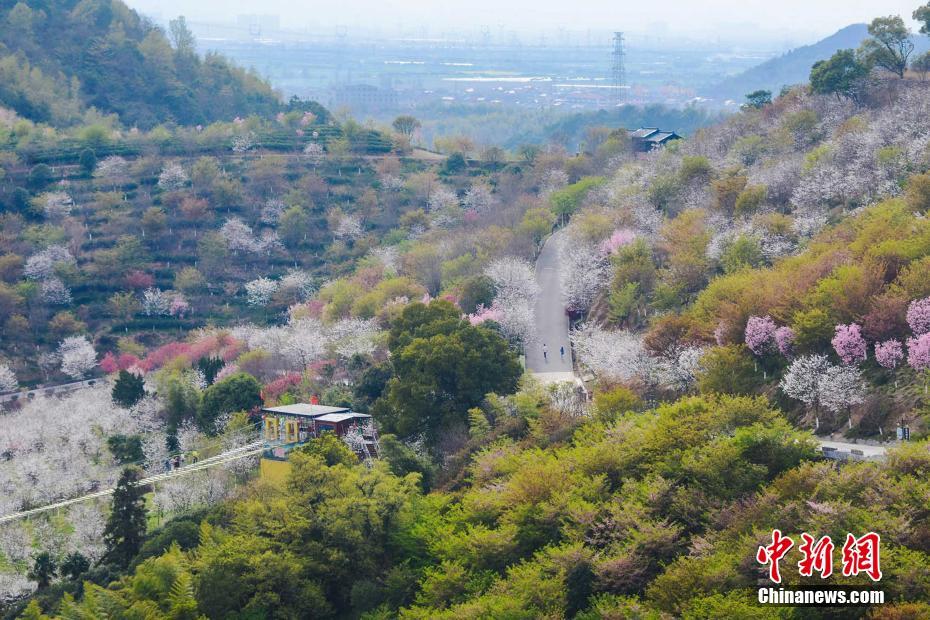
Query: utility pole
618,70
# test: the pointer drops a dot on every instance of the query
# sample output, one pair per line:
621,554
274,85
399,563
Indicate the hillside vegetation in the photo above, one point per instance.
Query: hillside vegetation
61,58
732,296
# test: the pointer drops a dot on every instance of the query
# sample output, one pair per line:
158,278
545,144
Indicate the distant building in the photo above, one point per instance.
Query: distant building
647,139
290,426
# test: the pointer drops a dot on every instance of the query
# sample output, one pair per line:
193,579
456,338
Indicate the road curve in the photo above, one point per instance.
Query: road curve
551,319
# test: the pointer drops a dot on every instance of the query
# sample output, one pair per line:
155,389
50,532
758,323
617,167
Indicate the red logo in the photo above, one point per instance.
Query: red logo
860,555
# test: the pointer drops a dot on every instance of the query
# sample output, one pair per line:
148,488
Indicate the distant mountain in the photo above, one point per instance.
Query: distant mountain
60,57
794,66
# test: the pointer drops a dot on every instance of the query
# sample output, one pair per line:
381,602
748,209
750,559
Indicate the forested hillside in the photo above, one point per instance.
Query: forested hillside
735,298
60,58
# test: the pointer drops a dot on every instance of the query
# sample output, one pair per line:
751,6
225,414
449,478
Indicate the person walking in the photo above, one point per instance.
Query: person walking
545,352
562,353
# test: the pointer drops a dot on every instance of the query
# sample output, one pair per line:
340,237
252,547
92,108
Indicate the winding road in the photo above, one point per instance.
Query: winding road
551,319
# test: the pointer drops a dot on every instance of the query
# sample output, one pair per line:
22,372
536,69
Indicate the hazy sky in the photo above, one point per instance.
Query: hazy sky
801,17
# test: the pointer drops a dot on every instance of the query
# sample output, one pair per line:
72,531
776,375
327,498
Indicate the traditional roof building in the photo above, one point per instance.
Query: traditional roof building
647,139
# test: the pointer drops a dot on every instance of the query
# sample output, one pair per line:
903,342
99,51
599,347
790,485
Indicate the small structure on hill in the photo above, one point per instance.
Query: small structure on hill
647,139
289,426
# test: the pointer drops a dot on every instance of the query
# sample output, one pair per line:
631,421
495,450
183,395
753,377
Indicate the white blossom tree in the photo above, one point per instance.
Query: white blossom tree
77,355
314,153
8,382
54,292
56,204
155,302
42,265
814,381
584,272
172,177
260,291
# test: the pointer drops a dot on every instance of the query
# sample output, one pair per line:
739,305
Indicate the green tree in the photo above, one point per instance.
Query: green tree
405,124
443,366
74,566
759,99
126,449
890,45
128,389
841,75
742,252
921,65
728,369
43,569
210,367
922,15
88,160
126,525
330,449
476,291
238,392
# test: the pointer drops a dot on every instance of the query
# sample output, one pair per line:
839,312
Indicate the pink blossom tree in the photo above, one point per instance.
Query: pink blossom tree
918,316
889,353
618,239
918,352
760,333
849,344
784,340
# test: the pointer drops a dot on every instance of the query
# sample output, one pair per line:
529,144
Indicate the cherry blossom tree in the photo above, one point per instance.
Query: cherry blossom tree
111,169
179,306
918,352
260,291
760,334
54,292
348,227
516,292
314,153
618,355
441,199
244,142
814,381
77,356
918,316
350,337
172,177
56,204
303,342
617,239
889,353
478,198
42,265
784,339
8,382
155,302
298,284
584,272
849,344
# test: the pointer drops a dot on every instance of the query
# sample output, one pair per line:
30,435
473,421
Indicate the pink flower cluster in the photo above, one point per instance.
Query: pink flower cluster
760,332
918,316
889,353
112,363
618,239
179,306
272,391
918,352
849,344
482,314
784,339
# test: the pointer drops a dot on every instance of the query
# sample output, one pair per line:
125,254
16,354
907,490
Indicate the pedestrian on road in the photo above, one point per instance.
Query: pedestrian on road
562,353
545,352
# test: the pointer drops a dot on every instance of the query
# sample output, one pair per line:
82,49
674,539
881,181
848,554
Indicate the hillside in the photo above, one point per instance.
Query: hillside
794,66
734,298
59,58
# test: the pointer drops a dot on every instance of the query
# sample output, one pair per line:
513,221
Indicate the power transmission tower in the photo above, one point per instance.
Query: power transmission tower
618,71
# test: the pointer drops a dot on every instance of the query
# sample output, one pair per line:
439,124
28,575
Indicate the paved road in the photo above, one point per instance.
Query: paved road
551,320
841,450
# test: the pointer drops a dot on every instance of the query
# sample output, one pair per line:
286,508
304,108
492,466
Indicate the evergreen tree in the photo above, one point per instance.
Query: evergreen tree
75,565
88,160
210,367
128,389
43,569
125,529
